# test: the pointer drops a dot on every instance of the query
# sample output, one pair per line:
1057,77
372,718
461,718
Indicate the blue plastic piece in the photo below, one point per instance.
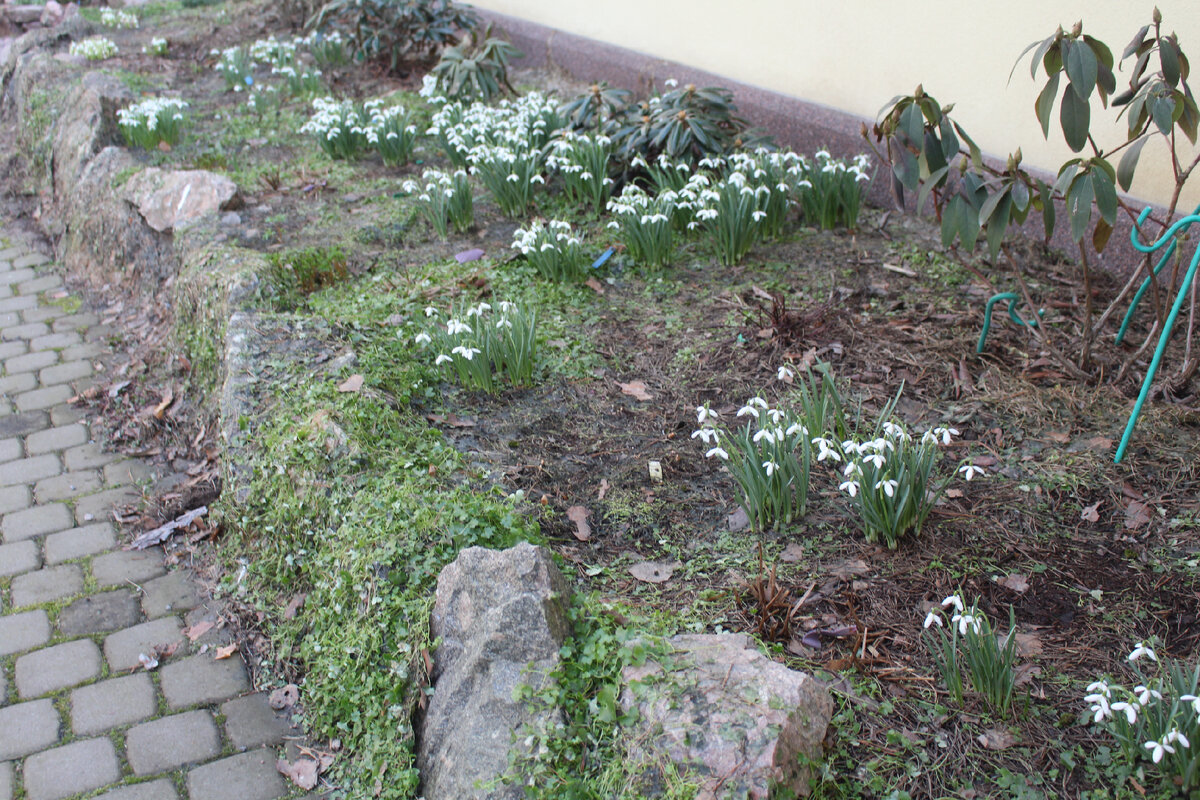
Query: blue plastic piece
604,257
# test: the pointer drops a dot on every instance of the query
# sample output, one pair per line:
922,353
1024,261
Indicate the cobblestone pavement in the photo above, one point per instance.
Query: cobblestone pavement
79,717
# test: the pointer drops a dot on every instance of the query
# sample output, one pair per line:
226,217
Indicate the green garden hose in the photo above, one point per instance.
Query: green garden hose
1013,301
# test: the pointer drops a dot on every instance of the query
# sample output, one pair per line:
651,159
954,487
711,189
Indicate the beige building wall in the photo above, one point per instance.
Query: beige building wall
853,55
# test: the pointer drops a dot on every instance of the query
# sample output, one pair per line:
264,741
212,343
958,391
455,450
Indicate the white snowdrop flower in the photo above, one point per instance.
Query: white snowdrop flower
1130,711
466,352
1146,694
422,338
1141,650
877,459
969,471
785,374
933,618
953,600
889,487
748,409
1157,749
771,467
849,487
765,433
707,435
718,452
441,359
454,327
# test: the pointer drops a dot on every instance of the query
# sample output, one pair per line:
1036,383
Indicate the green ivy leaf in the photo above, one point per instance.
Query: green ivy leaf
1075,117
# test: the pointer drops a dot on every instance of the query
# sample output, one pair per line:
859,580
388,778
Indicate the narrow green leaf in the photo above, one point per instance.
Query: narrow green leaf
1047,197
989,206
1100,235
949,140
1039,56
1100,50
1128,163
1028,47
1079,206
1189,119
1136,42
1168,55
1104,166
912,125
1020,195
968,230
1162,110
1066,174
929,184
951,219
1106,196
1136,108
976,155
1082,69
934,160
997,226
1075,117
1045,104
905,168
1052,62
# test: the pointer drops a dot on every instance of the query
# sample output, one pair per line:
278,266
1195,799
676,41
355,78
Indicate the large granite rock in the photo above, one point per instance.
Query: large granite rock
728,717
168,200
501,618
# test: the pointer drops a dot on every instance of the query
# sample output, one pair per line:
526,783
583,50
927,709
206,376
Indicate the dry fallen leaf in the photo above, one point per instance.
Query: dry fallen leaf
792,553
738,520
996,739
594,285
579,515
636,390
1091,513
199,629
1061,438
1028,644
167,398
284,697
303,772
226,651
954,493
846,569
1025,673
352,384
653,571
603,489
450,420
1017,582
1136,515
294,605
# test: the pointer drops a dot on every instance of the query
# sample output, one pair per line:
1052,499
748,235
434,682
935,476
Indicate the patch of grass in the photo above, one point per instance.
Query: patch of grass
294,274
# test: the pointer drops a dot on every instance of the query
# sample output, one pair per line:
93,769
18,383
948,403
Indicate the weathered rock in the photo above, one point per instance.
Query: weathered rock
168,200
87,126
501,618
727,716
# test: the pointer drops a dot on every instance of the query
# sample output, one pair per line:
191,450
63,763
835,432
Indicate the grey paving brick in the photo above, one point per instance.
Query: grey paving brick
65,373
128,566
21,424
71,769
30,362
55,341
38,285
251,722
173,593
56,439
78,542
22,632
31,260
99,506
129,473
46,585
75,322
16,276
19,557
10,448
65,414
85,350
42,398
202,679
26,330
36,521
123,647
10,318
67,485
170,742
18,383
113,703
13,348
14,498
100,613
17,303
247,776
161,789
87,456
42,313
59,667
28,470
26,728
6,781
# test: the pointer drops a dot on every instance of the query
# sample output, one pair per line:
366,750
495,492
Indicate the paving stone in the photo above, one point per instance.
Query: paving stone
123,647
17,303
19,557
152,790
128,566
112,703
79,542
87,456
16,276
36,521
67,485
11,448
72,769
23,631
172,593
247,776
26,728
26,331
74,322
14,498
21,424
202,679
100,613
85,350
56,439
28,470
32,260
59,667
55,341
42,398
65,414
251,722
30,362
42,314
6,781
10,349
46,585
10,318
38,285
129,473
65,373
18,383
170,742
100,506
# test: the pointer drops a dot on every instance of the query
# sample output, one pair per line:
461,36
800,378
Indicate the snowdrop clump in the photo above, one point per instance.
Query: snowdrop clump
583,162
968,640
116,18
830,190
327,49
235,66
644,225
95,48
481,343
391,132
553,249
444,200
155,120
339,127
1158,719
157,47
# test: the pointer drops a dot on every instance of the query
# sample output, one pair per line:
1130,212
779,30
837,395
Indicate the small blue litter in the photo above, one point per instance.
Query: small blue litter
604,257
